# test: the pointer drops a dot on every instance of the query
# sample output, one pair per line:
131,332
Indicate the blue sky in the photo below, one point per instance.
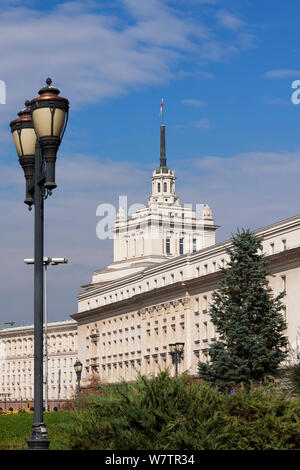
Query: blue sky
224,69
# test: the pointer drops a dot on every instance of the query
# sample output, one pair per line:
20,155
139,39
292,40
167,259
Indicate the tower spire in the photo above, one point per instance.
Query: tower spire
163,159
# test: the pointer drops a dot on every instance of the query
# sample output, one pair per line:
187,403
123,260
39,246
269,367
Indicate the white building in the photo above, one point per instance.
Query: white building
17,368
156,291
158,288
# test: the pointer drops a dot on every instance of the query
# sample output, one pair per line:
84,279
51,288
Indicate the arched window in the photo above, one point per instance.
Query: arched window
158,187
165,187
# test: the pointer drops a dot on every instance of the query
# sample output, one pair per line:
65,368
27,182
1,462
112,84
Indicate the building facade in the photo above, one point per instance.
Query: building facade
17,368
156,291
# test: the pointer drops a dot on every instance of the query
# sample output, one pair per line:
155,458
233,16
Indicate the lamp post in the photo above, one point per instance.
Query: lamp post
37,135
176,351
78,370
46,262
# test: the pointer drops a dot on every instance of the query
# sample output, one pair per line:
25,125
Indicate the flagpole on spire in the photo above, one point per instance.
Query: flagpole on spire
161,111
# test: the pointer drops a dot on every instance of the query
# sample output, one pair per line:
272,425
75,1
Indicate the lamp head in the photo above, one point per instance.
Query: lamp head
78,367
49,114
24,137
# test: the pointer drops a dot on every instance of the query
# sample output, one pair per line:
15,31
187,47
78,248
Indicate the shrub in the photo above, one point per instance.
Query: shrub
163,413
291,378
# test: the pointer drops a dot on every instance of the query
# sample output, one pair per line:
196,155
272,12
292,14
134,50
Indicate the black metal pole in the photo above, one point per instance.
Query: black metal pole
38,439
58,394
176,364
78,379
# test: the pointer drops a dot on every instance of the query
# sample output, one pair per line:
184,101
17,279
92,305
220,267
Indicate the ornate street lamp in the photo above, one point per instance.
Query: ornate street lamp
50,115
176,351
37,134
78,370
25,140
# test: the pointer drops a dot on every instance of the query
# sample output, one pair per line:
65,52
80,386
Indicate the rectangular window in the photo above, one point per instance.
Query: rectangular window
205,304
284,244
168,245
194,245
181,246
205,330
283,280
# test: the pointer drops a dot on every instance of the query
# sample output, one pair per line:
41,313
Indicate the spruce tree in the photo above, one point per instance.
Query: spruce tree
248,318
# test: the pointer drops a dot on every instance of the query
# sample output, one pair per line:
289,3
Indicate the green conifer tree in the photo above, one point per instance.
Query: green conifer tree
248,318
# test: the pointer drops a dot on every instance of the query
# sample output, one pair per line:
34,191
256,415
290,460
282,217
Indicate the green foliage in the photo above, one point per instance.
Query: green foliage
248,318
291,378
168,414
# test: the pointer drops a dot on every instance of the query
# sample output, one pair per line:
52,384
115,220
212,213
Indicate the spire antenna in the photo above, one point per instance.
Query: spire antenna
163,159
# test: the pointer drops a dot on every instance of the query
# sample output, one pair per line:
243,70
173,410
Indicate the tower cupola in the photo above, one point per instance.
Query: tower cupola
163,178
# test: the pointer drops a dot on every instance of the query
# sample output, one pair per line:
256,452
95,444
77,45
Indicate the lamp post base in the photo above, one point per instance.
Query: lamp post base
38,439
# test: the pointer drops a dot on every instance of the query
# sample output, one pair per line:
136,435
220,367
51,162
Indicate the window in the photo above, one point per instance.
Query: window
204,330
194,245
168,245
158,187
181,246
272,249
205,304
283,280
284,244
165,187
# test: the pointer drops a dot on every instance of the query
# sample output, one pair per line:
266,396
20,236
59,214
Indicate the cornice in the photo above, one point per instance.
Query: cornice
178,289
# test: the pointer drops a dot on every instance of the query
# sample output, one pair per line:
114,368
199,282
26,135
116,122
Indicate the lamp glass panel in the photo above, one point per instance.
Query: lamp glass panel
78,366
180,346
59,121
17,143
42,121
28,139
172,347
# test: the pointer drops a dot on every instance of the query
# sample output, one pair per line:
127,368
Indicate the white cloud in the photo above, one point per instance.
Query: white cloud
282,73
202,124
93,54
249,189
193,102
229,20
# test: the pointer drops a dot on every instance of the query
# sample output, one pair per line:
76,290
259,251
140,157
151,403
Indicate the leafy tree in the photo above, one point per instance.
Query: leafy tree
248,318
